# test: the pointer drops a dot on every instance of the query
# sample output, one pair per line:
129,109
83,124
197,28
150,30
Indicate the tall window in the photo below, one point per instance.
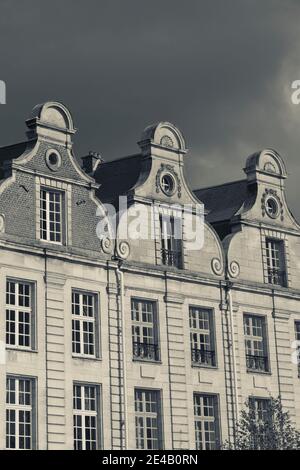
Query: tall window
171,240
19,413
256,343
19,314
148,423
297,337
51,215
275,262
86,417
207,431
202,336
144,330
83,323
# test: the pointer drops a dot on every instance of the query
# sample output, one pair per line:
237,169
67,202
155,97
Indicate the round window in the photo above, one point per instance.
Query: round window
168,184
272,207
53,159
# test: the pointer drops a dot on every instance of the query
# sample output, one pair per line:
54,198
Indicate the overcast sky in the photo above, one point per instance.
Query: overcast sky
221,70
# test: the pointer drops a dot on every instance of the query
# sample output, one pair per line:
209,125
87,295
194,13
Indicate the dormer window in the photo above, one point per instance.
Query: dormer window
51,215
276,262
171,240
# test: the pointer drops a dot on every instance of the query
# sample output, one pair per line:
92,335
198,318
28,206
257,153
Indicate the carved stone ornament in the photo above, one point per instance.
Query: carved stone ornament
234,269
270,198
123,250
165,168
216,266
107,245
166,141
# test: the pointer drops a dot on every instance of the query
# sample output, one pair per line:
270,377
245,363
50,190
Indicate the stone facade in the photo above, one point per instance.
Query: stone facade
230,276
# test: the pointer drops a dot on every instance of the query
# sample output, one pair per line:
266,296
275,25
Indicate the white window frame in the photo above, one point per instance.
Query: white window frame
258,343
203,338
140,327
85,319
171,240
204,420
142,417
84,412
19,309
19,408
276,266
61,212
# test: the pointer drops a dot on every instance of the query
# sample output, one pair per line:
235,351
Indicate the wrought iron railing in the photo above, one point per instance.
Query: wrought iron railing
202,356
257,363
277,277
146,351
171,258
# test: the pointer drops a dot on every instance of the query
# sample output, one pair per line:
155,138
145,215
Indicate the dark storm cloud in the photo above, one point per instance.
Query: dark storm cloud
220,70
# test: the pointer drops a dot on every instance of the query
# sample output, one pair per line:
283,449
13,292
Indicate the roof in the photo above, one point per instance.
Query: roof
223,201
117,177
12,151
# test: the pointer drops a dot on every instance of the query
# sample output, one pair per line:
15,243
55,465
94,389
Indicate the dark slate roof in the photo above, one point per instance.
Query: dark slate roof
12,151
223,201
117,177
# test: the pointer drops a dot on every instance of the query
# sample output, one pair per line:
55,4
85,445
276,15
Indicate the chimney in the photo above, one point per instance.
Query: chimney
90,162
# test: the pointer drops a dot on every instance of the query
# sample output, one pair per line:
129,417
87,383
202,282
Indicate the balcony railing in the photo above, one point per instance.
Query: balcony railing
277,277
146,351
171,258
257,363
204,357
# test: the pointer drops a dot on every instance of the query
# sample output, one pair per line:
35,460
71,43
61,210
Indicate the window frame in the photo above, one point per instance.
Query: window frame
143,415
83,412
274,270
17,407
203,418
212,335
17,308
81,318
265,341
140,323
62,193
172,249
254,400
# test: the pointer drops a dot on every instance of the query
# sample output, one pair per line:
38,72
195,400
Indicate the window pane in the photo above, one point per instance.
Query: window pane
19,413
85,417
206,422
148,419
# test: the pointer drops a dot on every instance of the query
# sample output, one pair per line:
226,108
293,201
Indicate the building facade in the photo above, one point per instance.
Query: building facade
120,342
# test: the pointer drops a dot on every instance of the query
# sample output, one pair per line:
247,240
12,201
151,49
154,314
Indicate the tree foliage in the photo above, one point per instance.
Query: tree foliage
273,431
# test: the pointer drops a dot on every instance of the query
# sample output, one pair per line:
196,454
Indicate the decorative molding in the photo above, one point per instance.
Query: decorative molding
272,193
234,269
107,245
166,141
166,168
123,250
217,266
53,166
